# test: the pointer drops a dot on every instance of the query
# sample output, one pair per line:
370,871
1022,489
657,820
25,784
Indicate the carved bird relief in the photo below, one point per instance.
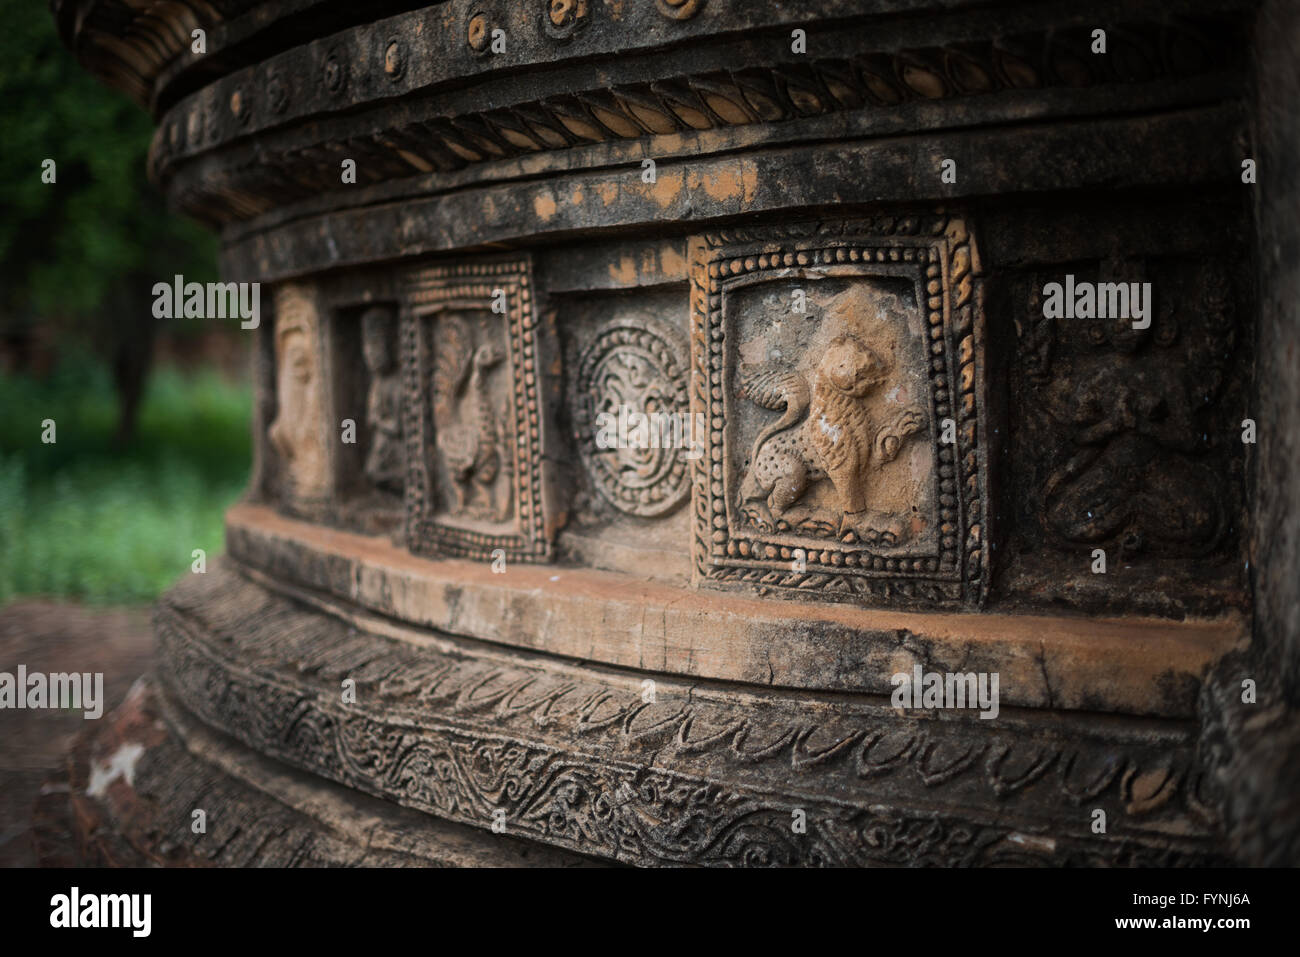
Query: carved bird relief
824,432
465,426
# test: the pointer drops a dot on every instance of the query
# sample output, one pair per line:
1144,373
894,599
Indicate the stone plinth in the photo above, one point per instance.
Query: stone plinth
642,388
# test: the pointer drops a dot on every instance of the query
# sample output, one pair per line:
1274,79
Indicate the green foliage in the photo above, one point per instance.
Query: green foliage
91,516
82,519
70,248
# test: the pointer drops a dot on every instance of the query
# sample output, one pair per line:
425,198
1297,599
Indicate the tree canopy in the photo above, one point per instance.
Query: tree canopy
81,254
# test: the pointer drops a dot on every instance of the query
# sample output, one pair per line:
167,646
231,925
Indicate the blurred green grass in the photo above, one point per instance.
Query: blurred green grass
82,519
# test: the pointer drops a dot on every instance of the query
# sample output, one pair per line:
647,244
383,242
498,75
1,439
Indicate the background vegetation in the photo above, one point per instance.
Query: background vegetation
144,464
89,519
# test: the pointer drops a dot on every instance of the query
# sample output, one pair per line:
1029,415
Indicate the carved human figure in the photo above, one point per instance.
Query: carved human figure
385,462
296,433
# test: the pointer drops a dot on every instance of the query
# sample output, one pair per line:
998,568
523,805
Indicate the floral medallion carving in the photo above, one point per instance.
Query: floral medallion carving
636,365
839,368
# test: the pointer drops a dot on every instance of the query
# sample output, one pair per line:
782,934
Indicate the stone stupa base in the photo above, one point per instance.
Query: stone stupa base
134,781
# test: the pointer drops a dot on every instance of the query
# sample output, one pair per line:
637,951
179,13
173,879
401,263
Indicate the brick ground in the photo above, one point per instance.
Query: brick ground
49,637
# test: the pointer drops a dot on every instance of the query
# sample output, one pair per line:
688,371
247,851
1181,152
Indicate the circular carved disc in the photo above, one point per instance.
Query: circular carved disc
636,366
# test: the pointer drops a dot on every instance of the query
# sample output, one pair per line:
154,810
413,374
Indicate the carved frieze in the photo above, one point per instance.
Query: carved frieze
472,408
839,368
564,751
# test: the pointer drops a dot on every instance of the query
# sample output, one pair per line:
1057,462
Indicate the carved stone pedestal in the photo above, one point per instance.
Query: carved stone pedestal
650,394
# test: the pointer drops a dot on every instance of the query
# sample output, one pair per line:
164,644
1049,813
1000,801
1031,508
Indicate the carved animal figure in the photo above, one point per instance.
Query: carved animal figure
465,425
824,431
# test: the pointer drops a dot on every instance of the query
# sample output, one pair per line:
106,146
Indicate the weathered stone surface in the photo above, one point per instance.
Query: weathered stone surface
575,756
826,270
255,812
1130,665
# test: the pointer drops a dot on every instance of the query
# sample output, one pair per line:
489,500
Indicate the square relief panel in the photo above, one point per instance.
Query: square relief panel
1128,439
473,421
839,367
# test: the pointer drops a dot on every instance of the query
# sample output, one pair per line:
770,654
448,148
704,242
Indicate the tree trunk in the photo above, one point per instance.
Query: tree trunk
132,346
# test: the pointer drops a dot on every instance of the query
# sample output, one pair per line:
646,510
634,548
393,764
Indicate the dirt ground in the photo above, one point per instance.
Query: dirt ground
50,637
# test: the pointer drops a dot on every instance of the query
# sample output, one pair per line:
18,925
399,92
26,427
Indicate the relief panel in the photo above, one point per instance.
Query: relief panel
473,417
297,433
839,368
385,463
1129,439
365,379
630,429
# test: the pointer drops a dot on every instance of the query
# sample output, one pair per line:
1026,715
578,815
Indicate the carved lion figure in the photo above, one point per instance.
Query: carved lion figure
825,431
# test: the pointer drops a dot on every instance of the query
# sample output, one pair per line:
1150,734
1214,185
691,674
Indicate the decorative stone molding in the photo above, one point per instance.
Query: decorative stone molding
579,759
1132,666
867,77
267,817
